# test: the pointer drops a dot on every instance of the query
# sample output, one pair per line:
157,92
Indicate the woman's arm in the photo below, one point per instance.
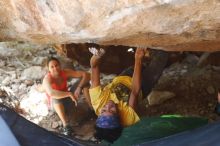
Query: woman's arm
85,78
56,93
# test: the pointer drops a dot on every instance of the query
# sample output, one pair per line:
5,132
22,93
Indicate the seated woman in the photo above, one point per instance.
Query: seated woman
55,85
113,112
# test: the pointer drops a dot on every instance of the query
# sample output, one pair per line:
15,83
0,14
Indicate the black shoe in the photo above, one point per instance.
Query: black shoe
67,130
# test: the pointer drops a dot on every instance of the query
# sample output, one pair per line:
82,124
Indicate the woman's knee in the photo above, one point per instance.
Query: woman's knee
58,106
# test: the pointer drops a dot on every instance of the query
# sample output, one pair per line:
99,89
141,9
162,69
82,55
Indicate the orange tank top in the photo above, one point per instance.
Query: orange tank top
60,87
63,85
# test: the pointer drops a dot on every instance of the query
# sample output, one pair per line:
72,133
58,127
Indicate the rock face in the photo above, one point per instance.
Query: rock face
162,24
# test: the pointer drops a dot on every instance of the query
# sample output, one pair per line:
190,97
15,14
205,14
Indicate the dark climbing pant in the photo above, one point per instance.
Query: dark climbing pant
152,72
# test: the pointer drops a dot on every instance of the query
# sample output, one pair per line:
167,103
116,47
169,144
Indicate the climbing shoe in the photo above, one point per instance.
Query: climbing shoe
67,130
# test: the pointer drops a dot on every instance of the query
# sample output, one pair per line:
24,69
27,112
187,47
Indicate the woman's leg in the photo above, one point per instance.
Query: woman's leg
60,110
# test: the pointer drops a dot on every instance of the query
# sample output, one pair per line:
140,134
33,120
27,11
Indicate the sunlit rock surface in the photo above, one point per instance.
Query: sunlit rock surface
162,24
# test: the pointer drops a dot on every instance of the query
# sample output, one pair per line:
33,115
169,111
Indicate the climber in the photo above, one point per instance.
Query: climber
115,110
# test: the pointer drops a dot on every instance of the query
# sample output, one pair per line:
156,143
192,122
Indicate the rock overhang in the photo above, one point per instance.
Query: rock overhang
172,25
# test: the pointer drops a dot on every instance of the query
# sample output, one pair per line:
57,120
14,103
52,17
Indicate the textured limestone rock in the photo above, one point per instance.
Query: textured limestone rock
34,72
165,24
157,97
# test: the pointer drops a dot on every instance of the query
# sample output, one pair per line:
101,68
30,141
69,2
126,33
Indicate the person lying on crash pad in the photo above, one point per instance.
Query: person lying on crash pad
115,110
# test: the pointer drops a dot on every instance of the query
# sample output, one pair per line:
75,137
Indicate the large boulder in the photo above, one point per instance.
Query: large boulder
163,24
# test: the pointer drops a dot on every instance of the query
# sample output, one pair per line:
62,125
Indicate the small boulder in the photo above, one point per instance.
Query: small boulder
34,72
157,97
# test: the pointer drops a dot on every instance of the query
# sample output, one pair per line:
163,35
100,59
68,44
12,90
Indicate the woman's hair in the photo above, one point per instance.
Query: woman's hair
52,59
109,135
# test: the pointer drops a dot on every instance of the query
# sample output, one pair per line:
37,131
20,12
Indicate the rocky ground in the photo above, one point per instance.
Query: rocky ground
184,88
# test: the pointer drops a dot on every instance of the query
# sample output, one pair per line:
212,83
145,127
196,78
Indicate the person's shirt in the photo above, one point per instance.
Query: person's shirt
99,97
60,87
63,85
